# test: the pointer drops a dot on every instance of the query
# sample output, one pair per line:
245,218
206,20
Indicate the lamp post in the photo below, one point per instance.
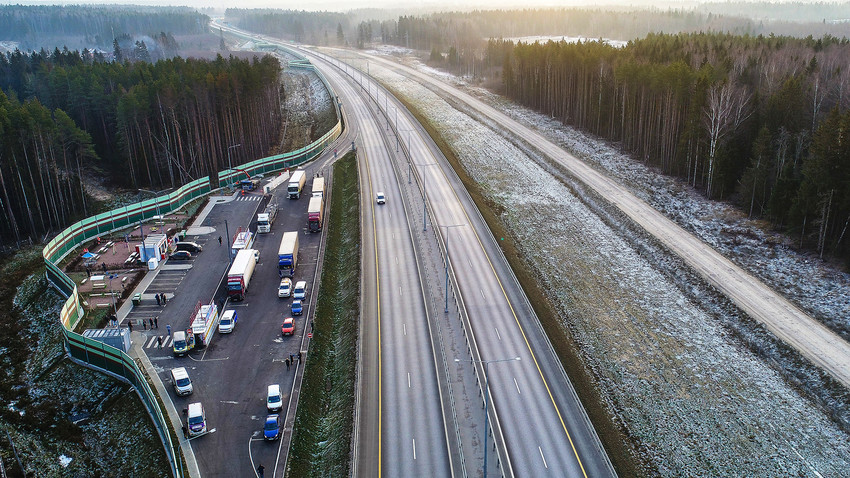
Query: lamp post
487,398
424,209
446,310
112,294
229,166
156,197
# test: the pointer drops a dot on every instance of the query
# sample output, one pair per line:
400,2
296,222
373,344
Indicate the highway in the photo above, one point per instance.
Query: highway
539,426
537,415
784,319
401,429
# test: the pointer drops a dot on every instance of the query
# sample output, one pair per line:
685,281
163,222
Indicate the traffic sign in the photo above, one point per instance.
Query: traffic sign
309,335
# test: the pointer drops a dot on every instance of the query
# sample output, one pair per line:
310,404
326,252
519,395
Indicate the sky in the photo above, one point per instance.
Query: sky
346,5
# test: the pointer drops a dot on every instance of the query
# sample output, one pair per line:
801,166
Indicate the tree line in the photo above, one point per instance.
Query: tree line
758,120
140,124
99,25
320,28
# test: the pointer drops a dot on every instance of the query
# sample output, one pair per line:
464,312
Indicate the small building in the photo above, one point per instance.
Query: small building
154,246
118,338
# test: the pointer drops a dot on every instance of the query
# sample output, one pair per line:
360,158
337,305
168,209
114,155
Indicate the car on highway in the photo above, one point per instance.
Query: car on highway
180,255
288,327
300,290
380,198
227,322
271,430
285,287
274,400
297,307
180,380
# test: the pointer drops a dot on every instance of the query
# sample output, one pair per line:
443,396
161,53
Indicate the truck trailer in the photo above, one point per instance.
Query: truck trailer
266,218
296,184
318,188
314,214
287,255
239,275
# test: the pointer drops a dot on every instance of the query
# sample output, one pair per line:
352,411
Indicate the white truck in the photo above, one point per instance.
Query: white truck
296,184
265,219
287,255
239,275
241,240
204,323
318,188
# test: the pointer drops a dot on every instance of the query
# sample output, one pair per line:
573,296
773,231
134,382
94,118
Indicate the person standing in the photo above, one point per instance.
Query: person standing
168,329
159,341
156,321
144,324
130,324
164,299
157,300
219,240
287,363
299,356
150,322
260,470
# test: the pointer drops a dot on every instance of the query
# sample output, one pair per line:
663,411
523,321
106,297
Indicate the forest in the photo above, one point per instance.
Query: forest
98,26
326,28
758,120
65,117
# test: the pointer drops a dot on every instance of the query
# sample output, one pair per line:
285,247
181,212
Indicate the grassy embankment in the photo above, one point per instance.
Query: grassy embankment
322,435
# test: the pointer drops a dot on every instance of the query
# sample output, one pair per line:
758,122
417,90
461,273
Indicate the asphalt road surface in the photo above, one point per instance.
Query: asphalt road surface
402,429
544,427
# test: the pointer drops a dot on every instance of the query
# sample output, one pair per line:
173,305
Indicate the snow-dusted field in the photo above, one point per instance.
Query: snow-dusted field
697,401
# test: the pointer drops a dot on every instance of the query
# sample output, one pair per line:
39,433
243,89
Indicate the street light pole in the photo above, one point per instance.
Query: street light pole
424,192
446,309
487,399
229,166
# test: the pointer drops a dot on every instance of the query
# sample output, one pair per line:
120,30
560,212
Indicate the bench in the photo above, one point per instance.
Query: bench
102,305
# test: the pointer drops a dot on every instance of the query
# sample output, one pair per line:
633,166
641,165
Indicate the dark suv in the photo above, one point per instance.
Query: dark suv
192,247
181,255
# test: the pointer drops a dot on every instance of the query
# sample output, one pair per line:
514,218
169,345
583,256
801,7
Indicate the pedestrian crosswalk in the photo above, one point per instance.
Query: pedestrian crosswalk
154,342
249,197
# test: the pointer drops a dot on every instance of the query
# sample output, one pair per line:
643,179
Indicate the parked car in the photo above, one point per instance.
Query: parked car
288,327
180,255
197,421
271,430
300,290
180,380
189,246
380,198
285,288
297,307
274,400
227,322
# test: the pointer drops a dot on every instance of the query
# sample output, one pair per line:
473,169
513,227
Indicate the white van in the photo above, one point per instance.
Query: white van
197,421
181,382
300,290
274,400
227,322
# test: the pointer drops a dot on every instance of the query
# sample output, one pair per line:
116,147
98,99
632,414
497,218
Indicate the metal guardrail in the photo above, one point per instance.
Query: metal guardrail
113,361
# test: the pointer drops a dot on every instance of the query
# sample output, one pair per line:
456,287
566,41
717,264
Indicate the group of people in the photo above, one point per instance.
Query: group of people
161,299
291,360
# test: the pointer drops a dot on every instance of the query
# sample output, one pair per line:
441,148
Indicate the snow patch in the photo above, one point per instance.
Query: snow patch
65,461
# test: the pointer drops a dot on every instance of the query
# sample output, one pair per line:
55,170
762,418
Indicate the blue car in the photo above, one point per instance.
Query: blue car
271,430
297,307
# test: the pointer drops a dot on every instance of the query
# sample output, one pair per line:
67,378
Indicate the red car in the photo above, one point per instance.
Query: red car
288,327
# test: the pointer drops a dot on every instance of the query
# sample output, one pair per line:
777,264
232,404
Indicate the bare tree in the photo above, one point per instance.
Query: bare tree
728,106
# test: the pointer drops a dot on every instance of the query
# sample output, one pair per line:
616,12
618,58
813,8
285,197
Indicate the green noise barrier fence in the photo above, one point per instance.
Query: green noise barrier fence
111,360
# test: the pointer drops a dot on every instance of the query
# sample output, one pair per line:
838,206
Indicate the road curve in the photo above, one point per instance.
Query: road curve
812,339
